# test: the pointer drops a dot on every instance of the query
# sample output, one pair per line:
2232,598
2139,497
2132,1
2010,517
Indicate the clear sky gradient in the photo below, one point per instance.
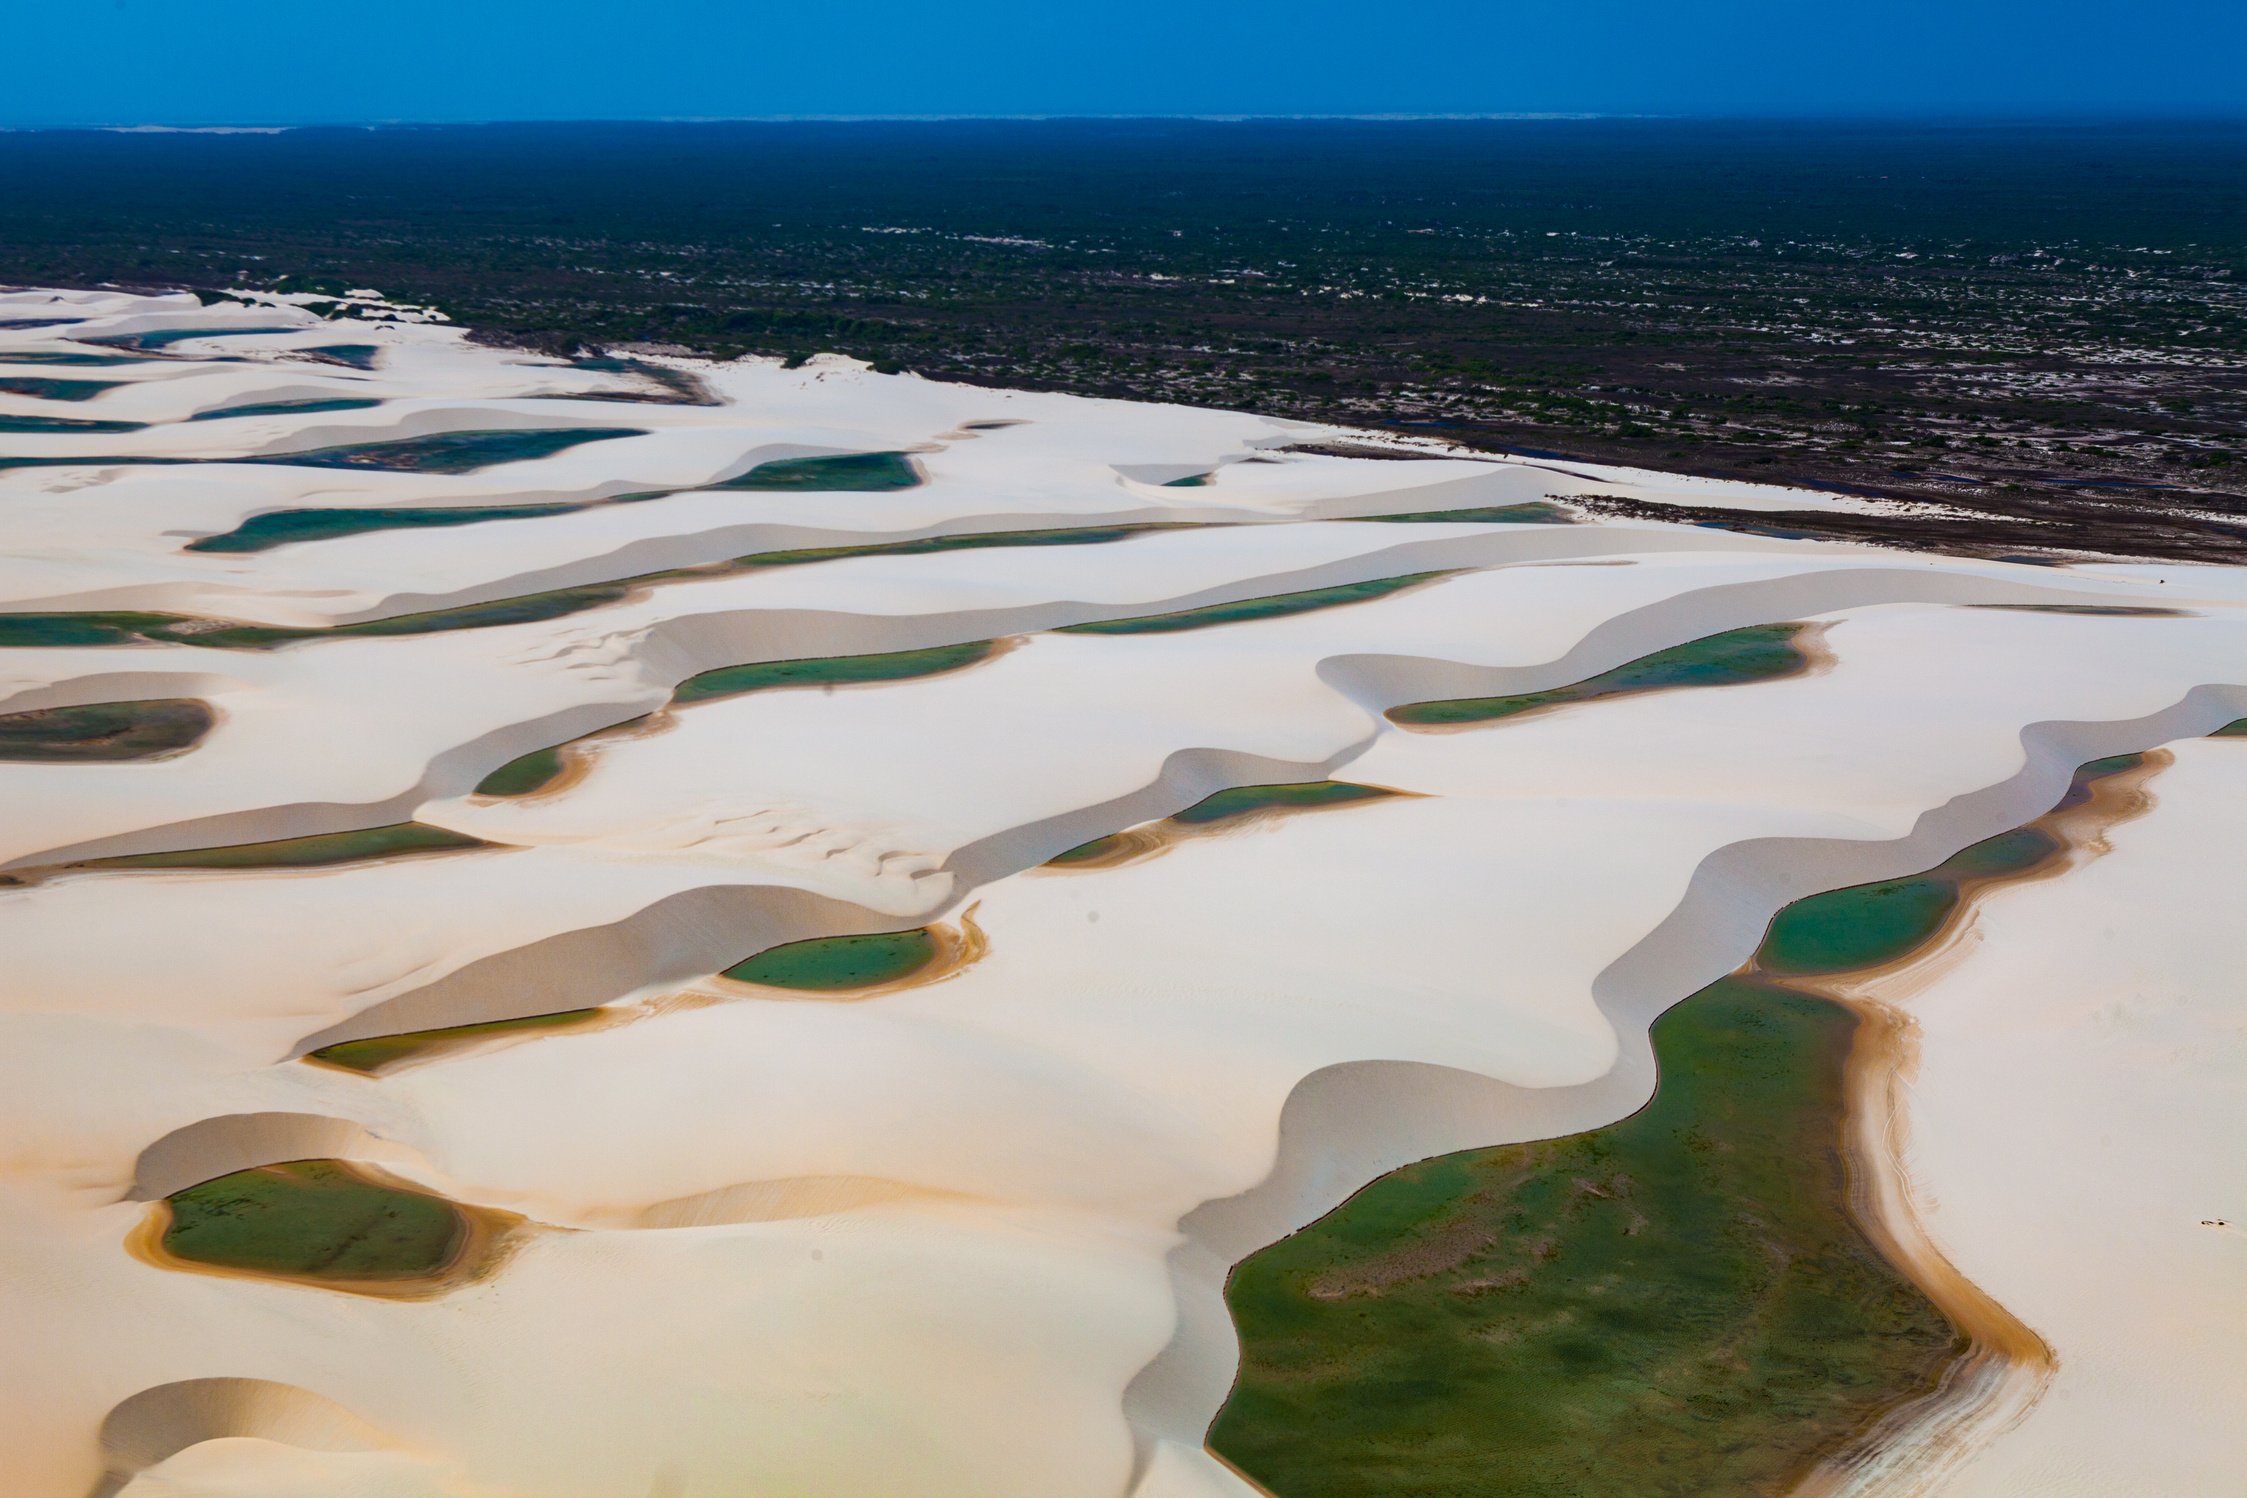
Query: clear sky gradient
200,62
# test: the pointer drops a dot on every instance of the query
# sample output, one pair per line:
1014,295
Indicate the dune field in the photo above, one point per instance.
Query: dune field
627,927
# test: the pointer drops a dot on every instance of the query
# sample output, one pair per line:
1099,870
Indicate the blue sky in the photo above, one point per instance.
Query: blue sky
294,61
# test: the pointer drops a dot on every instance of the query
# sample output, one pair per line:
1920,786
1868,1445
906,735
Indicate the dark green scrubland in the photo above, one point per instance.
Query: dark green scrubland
1936,312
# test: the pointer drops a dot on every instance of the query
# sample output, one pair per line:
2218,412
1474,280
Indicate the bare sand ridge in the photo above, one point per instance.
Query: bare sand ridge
964,1236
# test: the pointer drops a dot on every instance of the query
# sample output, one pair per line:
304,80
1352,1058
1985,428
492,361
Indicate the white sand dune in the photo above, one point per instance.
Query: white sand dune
965,1238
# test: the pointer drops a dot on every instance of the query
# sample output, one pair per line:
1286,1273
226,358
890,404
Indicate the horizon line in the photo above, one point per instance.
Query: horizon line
1861,117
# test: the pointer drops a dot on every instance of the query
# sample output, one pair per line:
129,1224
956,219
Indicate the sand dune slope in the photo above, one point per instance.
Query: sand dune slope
962,1232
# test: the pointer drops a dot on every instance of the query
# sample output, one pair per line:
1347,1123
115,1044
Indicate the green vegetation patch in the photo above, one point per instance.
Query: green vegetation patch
829,670
837,962
1761,652
2235,729
380,1052
66,425
315,851
1862,926
315,1219
1530,512
1867,925
856,473
1240,800
281,527
104,732
445,453
523,774
1677,1304
41,387
973,541
2125,610
57,356
1272,606
1086,852
112,627
287,408
149,343
448,452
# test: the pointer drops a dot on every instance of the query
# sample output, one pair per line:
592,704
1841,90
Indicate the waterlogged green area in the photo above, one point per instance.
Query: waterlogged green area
278,528
40,387
1235,801
104,732
859,473
2125,610
286,408
1867,925
281,527
379,1052
1761,652
66,426
449,452
830,670
1087,852
1858,927
674,387
122,628
315,1219
315,851
1091,535
2235,729
1240,800
445,453
523,774
114,627
1529,512
66,357
827,963
350,355
1272,606
1190,481
1677,1304
538,769
149,343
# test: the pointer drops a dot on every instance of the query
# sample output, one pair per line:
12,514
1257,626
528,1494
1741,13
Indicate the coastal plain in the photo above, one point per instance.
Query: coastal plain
749,955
